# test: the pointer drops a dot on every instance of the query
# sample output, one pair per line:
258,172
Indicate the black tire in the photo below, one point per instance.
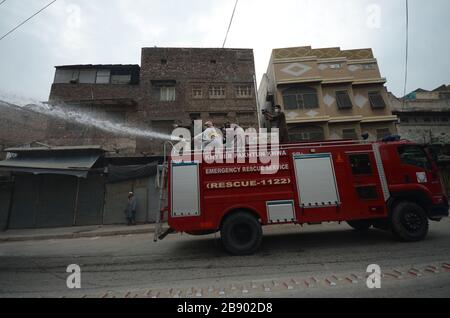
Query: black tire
241,234
409,222
360,225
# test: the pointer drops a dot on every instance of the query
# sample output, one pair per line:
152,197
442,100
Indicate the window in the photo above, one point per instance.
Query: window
103,76
163,126
360,164
383,133
218,115
197,92
168,94
88,77
300,98
367,192
444,95
217,91
350,134
244,91
163,61
376,100
336,66
195,116
370,66
120,79
414,156
306,133
405,120
117,117
66,76
343,100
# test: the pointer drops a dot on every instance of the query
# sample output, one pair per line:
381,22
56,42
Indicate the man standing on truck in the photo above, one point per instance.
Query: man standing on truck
210,137
277,119
131,209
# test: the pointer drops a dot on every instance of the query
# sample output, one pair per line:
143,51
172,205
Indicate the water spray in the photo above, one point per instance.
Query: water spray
70,114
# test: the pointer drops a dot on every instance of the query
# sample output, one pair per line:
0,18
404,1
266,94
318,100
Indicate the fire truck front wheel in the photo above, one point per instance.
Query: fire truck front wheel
241,234
409,222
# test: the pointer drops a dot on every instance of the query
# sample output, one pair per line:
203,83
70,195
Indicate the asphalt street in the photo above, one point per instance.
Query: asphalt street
312,261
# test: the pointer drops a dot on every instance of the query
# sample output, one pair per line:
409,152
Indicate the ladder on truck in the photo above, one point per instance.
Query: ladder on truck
163,200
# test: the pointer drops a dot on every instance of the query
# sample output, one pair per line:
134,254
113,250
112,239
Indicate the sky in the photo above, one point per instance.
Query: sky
114,31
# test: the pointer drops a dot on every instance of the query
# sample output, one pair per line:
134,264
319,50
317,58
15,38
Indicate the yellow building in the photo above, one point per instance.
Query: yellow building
328,93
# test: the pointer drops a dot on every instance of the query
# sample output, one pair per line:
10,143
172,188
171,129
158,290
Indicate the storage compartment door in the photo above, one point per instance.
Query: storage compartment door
316,181
185,190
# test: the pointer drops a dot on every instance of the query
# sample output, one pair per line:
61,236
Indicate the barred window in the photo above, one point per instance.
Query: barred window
343,100
217,91
383,133
300,98
376,100
244,91
197,92
369,66
349,134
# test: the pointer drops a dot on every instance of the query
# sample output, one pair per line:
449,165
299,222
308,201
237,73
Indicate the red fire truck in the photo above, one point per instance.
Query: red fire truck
393,186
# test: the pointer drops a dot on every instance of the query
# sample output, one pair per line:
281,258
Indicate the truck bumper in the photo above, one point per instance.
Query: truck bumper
439,211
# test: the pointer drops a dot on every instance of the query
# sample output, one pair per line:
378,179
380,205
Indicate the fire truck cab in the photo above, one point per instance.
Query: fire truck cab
392,186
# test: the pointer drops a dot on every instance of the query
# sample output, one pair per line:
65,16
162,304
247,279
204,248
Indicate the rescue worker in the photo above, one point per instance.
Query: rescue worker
238,142
210,137
131,209
277,119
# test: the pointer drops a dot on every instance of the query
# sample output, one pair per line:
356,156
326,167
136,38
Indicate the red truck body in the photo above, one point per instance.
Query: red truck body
316,182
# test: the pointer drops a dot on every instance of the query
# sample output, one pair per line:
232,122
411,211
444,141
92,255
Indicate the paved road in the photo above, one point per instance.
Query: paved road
313,261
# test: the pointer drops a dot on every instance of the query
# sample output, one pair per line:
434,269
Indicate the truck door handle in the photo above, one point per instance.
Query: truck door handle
407,179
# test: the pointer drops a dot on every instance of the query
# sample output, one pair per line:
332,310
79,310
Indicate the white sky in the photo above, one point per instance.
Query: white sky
114,31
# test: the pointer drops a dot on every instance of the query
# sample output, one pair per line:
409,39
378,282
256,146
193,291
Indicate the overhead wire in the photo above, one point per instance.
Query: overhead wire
25,21
229,25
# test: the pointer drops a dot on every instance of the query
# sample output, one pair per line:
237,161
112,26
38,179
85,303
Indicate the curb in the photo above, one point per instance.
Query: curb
76,235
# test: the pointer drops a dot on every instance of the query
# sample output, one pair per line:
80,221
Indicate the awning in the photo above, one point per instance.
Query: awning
77,165
124,173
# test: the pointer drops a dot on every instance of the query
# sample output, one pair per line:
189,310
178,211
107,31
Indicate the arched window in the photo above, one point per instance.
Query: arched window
300,98
306,133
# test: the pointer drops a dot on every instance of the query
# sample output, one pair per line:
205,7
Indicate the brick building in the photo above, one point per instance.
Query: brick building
328,93
424,115
173,86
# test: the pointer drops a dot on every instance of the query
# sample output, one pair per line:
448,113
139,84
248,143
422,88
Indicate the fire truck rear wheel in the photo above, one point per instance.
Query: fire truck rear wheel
360,225
409,222
241,234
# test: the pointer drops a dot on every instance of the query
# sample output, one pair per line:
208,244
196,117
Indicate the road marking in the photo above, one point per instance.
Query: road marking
330,282
395,275
351,280
272,285
415,272
432,269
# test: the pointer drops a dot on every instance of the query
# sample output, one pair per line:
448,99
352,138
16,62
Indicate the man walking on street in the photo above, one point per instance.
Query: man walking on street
131,209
